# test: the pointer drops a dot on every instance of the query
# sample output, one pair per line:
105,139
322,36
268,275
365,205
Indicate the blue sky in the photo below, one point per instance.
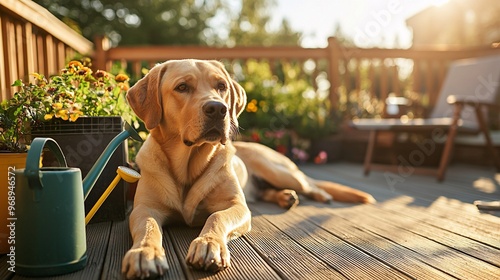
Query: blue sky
370,22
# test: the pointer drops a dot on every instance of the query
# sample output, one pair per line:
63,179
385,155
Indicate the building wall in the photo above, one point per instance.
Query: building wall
458,23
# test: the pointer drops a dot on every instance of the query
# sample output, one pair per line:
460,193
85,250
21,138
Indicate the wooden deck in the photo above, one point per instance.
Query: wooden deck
418,229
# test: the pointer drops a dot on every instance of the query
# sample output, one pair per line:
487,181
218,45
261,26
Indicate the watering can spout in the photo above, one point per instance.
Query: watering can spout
103,159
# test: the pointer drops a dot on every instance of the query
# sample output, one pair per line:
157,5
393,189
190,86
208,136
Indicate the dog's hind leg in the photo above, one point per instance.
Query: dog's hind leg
286,199
343,193
278,171
287,178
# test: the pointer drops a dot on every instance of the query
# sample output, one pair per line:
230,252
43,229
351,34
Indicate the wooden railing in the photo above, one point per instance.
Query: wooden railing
377,72
421,71
33,40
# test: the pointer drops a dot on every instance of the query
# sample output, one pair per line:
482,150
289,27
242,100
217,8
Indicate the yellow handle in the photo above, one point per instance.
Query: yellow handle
125,173
101,200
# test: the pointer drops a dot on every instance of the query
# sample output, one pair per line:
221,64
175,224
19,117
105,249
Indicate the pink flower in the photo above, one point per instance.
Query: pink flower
300,154
321,158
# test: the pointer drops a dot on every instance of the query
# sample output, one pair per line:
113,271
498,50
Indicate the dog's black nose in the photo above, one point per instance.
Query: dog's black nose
215,110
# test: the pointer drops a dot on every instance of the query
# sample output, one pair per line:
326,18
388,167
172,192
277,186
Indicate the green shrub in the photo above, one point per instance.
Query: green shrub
283,100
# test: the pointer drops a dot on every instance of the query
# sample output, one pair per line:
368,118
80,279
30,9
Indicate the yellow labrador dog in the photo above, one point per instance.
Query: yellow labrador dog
193,173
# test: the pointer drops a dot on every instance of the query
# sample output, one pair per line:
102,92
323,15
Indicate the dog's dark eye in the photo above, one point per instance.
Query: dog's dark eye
183,87
221,87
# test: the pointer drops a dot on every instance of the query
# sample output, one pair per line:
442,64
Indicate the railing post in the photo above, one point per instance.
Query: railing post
333,73
28,51
101,44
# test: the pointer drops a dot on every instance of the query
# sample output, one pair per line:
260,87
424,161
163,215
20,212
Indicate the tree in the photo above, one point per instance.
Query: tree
252,26
173,22
132,22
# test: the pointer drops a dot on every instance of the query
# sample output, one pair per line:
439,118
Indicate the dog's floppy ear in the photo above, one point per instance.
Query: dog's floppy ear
145,96
238,99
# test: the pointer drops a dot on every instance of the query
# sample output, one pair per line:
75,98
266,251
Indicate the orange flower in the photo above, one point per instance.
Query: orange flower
121,78
123,86
252,106
75,63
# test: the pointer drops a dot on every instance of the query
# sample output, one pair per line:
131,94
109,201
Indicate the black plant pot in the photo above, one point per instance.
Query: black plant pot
82,142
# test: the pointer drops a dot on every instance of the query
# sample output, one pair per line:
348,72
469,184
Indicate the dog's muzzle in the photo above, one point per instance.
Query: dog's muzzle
214,128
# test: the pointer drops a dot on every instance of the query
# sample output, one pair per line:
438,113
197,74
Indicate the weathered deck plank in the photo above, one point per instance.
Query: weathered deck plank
117,246
288,257
435,233
332,250
463,225
245,262
387,252
120,243
442,257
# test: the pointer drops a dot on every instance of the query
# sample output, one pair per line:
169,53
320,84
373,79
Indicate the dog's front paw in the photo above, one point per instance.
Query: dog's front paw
208,253
144,262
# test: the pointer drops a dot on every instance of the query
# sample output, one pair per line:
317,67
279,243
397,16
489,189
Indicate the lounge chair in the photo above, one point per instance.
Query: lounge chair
470,88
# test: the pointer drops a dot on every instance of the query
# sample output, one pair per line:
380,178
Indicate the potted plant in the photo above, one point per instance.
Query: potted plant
82,110
74,93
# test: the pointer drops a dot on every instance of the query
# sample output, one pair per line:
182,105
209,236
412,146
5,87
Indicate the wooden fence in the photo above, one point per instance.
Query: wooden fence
33,40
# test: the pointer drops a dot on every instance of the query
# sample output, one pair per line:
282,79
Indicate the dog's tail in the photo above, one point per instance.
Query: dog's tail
343,193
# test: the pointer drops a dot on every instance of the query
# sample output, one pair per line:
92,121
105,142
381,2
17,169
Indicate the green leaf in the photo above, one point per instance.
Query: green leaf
17,83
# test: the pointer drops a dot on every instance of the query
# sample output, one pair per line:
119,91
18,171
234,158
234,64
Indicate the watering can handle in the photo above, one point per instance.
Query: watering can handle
32,170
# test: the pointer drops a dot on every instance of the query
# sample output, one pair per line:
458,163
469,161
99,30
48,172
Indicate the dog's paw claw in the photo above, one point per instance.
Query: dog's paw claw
208,254
144,263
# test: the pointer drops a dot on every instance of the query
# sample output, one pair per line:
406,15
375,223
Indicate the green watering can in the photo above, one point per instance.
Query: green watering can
50,224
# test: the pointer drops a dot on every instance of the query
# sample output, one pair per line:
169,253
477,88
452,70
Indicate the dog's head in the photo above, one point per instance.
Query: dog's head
195,99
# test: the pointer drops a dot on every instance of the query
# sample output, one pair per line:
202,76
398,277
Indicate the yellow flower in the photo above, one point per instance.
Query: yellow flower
57,106
73,117
37,76
121,78
63,114
48,117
